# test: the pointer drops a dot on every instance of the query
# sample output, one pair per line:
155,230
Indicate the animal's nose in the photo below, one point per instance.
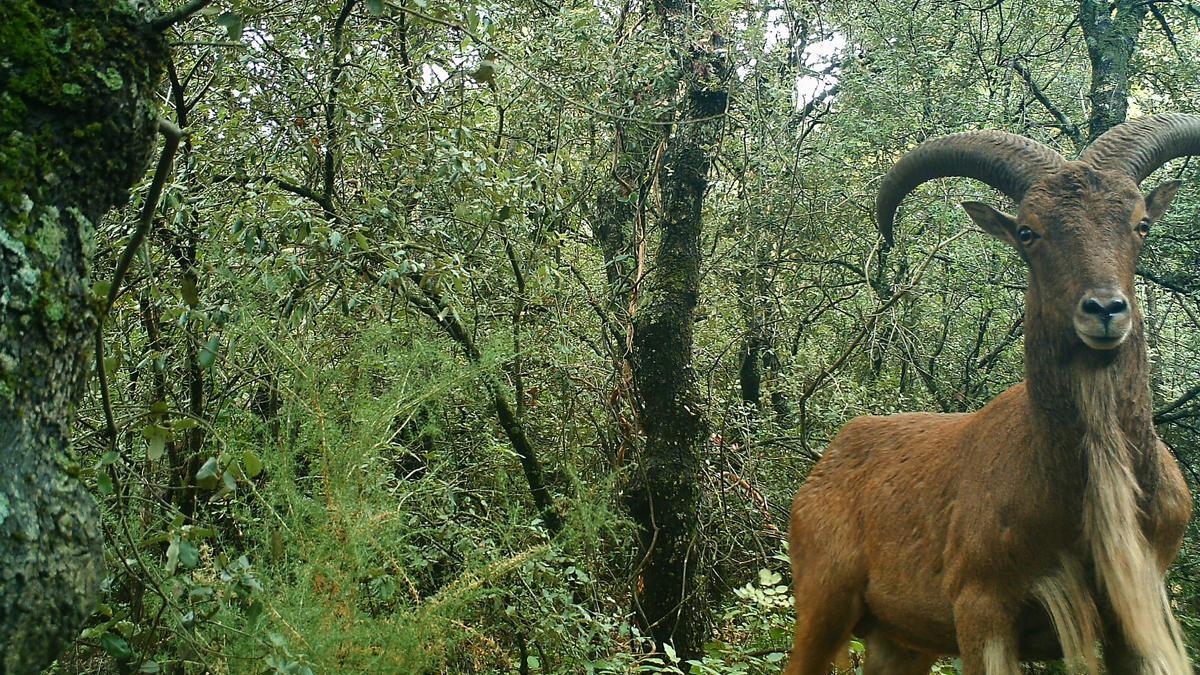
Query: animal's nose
1105,305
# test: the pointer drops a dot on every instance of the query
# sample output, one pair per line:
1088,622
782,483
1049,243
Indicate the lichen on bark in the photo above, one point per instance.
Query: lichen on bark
1110,33
71,146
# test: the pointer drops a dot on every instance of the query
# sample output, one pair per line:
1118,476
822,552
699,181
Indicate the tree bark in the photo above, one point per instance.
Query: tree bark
77,125
1111,35
665,497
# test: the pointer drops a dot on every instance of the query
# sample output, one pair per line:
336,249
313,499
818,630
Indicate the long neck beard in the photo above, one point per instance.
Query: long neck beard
1126,571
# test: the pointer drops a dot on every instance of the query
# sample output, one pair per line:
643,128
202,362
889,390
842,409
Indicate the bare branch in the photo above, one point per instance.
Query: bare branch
1166,27
1062,121
172,134
181,14
1171,412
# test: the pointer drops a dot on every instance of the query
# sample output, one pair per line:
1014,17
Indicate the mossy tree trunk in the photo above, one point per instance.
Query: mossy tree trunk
1111,35
77,124
665,496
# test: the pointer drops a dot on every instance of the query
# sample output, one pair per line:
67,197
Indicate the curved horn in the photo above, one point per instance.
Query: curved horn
1005,161
1139,147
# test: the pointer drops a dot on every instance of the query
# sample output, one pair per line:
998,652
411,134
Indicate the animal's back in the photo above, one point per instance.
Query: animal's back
920,484
877,466
889,459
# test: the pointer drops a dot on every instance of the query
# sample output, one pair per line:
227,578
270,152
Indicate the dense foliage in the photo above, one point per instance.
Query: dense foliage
371,374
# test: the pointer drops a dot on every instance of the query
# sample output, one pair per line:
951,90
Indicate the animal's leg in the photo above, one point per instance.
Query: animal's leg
825,615
885,657
987,638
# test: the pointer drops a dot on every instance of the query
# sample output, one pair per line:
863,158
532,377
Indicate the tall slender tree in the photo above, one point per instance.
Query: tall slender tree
666,496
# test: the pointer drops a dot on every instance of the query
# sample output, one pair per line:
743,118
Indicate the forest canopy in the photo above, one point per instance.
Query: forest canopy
423,336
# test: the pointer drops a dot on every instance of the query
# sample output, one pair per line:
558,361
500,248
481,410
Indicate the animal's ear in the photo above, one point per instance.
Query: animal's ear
996,223
1160,198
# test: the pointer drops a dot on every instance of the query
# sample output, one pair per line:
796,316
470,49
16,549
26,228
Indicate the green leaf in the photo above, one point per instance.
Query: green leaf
233,23
172,556
486,72
111,77
276,545
150,666
187,288
155,447
208,353
209,474
116,646
375,7
189,555
670,651
156,441
768,578
104,483
254,613
252,464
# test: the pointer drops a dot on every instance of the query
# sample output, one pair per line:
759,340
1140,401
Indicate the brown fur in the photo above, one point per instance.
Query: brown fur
1040,524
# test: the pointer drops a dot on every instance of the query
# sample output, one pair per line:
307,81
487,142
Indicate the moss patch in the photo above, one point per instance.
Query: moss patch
78,123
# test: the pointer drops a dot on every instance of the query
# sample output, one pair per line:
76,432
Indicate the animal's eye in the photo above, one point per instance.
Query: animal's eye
1143,228
1026,235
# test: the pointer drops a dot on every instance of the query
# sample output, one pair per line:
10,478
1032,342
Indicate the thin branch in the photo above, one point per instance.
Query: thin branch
172,134
985,362
1063,122
183,13
327,206
110,424
1162,22
430,303
1166,283
331,130
308,193
816,102
1164,414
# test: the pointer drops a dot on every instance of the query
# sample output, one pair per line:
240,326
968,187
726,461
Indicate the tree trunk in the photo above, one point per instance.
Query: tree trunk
1111,36
759,358
665,496
77,124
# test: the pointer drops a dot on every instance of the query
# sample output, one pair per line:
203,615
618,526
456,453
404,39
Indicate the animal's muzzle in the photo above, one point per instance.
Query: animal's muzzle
1102,318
